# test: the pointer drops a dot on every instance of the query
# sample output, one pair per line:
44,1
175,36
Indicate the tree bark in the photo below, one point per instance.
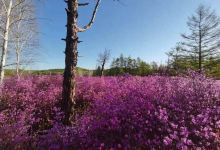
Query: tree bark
5,43
71,57
17,63
200,44
200,52
71,52
103,67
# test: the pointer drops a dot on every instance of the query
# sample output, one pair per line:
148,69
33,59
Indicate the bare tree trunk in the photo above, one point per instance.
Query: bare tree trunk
200,53
17,44
71,56
17,63
203,41
5,43
69,83
102,60
200,45
102,69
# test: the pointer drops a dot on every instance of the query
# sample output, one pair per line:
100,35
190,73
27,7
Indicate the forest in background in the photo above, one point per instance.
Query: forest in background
198,50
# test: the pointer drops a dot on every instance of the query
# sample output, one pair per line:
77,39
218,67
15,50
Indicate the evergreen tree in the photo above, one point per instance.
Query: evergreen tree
203,42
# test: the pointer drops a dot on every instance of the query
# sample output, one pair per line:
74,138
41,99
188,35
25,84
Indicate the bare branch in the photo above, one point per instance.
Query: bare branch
92,19
83,4
3,2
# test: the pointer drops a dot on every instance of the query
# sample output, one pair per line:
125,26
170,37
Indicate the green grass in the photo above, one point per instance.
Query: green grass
80,72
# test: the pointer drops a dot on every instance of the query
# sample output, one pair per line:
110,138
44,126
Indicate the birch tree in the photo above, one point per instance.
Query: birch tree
5,29
71,55
24,34
16,27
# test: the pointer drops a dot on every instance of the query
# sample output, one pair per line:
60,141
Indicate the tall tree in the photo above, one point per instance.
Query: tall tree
103,58
24,34
5,29
13,20
71,56
204,40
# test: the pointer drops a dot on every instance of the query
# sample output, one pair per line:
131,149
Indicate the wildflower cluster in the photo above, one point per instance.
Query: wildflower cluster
114,113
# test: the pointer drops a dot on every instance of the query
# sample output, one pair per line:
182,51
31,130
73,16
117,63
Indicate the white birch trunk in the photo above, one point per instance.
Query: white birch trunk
5,42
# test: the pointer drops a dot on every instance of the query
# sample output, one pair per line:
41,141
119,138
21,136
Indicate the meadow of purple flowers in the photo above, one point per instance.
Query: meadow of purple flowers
113,113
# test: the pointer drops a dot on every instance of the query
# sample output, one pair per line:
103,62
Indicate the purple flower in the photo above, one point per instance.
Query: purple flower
114,113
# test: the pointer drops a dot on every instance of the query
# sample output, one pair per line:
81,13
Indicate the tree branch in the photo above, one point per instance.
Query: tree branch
9,65
3,2
21,63
83,4
92,19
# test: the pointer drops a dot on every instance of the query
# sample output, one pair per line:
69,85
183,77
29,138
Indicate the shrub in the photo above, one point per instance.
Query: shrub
114,113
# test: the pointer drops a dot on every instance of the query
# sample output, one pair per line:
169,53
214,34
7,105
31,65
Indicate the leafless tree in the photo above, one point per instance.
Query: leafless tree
6,10
24,34
203,42
103,58
71,56
14,19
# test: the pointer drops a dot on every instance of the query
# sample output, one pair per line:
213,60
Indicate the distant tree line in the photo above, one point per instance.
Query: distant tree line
129,65
133,66
198,50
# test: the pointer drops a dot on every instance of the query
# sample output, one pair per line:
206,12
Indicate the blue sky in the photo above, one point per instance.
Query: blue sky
137,28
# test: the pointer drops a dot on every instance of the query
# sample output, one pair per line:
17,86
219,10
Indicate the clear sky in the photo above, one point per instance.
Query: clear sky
137,28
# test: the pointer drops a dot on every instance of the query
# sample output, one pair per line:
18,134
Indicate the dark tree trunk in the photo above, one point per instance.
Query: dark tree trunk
71,53
203,41
102,69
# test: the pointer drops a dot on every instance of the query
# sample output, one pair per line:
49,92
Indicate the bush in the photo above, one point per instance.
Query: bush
115,113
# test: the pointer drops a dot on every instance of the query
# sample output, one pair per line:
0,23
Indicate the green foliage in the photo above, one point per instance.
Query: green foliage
97,72
80,72
9,72
123,65
144,69
178,64
213,68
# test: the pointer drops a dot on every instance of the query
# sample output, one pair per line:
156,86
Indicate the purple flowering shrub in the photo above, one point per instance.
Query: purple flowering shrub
29,107
115,113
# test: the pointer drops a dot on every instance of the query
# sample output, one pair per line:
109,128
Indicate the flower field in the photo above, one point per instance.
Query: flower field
113,113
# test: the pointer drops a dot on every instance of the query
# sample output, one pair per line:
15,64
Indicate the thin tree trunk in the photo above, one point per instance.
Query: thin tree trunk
17,63
5,43
71,53
200,55
18,46
200,44
200,49
102,69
